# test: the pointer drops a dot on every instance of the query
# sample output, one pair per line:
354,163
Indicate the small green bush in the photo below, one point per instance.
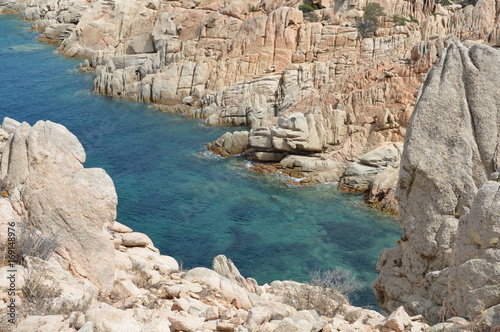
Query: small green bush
373,11
369,23
399,20
366,28
311,17
308,7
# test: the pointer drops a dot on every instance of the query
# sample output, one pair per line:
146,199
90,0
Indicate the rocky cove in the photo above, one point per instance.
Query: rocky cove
317,94
435,250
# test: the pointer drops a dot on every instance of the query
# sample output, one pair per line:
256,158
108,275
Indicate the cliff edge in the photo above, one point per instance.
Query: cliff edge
447,262
318,91
68,265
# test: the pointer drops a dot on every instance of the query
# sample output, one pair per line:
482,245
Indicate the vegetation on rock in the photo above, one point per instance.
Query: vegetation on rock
369,23
308,9
327,292
31,243
401,20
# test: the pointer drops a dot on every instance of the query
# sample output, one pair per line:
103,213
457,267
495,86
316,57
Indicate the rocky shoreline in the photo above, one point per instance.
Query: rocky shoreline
317,93
102,276
106,277
315,113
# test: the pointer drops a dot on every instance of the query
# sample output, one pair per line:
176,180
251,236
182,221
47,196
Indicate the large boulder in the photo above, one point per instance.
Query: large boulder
301,133
230,143
360,175
228,289
42,168
106,318
449,251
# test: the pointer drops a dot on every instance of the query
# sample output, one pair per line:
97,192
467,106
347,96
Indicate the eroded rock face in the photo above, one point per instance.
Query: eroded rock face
360,175
474,277
256,62
150,294
381,193
43,173
230,143
449,251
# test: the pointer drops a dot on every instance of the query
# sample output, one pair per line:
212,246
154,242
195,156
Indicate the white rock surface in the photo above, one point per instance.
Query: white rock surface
43,168
448,253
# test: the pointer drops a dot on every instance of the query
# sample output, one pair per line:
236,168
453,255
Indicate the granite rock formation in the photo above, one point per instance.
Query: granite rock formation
42,171
261,63
359,175
318,96
447,260
141,290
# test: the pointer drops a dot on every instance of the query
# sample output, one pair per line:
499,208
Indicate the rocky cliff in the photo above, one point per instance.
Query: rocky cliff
316,95
447,262
102,276
311,86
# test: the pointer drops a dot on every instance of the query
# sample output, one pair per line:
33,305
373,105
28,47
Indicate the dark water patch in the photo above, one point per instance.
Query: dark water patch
344,235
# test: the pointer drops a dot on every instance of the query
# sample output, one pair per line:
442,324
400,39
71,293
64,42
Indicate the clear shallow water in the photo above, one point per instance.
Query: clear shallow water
193,205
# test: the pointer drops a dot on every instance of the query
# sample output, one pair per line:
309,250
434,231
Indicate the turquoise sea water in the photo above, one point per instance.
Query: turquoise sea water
193,205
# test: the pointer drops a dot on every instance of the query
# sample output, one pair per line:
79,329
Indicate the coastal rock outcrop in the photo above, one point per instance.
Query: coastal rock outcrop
42,171
381,193
148,292
301,132
230,144
361,174
447,260
261,62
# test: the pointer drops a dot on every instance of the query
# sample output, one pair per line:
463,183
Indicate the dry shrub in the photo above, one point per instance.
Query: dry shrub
38,291
326,293
41,294
31,243
339,280
140,277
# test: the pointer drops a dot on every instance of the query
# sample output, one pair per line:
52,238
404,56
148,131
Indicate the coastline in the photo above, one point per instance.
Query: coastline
389,150
322,103
266,205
